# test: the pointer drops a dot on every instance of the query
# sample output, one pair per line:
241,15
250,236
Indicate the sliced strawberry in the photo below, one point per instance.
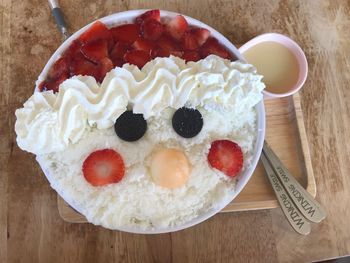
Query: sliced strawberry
59,68
103,167
119,50
97,30
159,52
118,62
177,27
111,43
201,34
96,50
191,56
212,46
104,66
53,84
48,85
177,53
143,44
42,85
73,49
167,43
62,78
151,29
151,14
127,33
81,66
226,156
189,41
137,57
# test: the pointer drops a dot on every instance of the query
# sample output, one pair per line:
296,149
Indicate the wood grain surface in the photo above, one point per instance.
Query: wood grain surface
30,227
285,133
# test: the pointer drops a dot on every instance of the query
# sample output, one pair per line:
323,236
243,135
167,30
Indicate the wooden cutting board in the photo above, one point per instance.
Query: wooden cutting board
285,132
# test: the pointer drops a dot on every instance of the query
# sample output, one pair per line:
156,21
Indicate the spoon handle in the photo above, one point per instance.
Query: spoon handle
293,215
59,18
307,205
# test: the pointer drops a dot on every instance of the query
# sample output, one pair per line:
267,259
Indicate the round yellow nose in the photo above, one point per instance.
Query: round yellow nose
170,168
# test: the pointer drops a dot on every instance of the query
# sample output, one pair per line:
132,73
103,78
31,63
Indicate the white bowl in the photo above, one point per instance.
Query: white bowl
243,178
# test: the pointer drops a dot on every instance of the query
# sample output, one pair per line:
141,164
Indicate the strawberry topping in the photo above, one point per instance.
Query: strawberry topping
119,50
118,62
191,56
177,27
52,84
189,41
73,50
60,68
151,29
97,30
103,167
212,46
96,50
137,57
201,35
159,52
152,14
226,156
143,44
81,66
167,43
127,33
99,48
104,66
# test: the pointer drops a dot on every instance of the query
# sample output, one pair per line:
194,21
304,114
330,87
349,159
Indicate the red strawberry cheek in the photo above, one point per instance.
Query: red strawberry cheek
226,156
103,167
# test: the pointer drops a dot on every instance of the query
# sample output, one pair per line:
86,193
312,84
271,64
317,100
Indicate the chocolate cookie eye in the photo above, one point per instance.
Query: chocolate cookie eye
130,126
187,122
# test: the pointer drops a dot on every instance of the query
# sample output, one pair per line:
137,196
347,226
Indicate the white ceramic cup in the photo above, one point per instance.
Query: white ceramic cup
294,48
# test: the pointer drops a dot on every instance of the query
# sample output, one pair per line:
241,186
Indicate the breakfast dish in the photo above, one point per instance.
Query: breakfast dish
150,136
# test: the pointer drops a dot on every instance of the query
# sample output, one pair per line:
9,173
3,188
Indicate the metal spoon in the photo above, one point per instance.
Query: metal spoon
59,19
307,205
293,215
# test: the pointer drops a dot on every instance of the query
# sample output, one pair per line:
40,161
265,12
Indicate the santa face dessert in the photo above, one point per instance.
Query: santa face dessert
144,146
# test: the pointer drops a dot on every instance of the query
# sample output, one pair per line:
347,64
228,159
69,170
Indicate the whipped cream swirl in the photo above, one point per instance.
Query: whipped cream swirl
170,82
50,122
